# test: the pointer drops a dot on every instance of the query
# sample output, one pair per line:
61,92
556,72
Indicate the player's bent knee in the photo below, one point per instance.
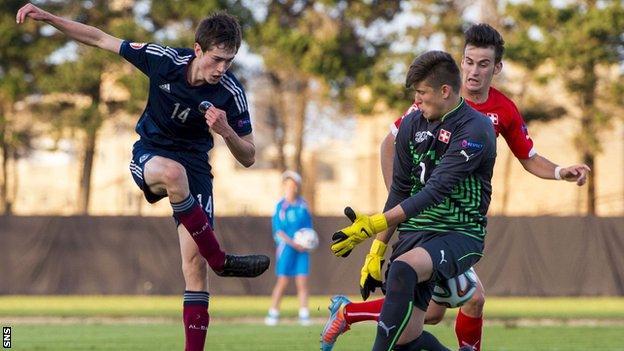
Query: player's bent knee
478,298
474,306
174,174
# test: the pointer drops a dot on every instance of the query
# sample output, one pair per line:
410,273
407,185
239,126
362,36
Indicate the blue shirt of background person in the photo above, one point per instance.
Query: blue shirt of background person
290,217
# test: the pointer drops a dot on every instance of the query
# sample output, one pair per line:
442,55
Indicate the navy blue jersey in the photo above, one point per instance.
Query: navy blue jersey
171,120
442,172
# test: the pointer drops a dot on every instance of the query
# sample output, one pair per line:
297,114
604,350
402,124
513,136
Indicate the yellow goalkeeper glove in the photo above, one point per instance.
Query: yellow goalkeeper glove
370,277
363,227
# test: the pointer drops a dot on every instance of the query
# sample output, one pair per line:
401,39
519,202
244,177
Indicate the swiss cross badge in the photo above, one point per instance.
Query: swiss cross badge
444,136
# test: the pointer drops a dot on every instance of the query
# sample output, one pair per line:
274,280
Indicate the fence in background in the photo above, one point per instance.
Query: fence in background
524,256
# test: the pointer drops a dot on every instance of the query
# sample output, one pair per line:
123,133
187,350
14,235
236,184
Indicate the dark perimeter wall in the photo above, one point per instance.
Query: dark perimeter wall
532,256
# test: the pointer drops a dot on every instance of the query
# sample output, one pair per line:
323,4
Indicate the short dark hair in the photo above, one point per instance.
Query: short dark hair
482,35
436,68
220,28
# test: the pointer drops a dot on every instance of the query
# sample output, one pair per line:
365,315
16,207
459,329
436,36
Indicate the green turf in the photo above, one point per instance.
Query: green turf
153,324
256,306
244,337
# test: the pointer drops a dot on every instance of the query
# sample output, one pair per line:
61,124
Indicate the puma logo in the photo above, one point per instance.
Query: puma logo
465,154
443,259
383,326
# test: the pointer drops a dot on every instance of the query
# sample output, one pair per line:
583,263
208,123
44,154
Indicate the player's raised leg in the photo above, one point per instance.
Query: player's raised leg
195,307
469,320
166,177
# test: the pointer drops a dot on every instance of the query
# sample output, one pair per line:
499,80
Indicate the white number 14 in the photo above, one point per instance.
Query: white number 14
183,114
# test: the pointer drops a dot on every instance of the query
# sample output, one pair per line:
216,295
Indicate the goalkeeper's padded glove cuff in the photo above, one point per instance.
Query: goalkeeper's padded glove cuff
378,248
378,222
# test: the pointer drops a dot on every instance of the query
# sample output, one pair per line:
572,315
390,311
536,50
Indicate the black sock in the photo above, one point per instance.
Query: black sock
426,341
398,306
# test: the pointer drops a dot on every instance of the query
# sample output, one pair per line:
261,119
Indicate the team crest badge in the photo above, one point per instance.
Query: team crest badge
493,117
137,46
444,136
143,158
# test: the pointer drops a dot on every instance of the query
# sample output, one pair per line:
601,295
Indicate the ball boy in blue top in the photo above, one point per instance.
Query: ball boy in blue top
292,260
170,159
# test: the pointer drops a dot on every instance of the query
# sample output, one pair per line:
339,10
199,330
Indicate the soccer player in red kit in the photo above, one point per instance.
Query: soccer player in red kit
482,59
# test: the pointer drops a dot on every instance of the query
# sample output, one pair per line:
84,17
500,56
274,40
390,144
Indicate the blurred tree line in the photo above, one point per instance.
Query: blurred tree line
345,54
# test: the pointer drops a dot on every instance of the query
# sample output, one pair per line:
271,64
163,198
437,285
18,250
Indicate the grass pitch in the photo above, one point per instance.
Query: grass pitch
152,323
245,337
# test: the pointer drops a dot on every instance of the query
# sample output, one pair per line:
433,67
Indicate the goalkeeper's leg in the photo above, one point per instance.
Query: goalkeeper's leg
400,325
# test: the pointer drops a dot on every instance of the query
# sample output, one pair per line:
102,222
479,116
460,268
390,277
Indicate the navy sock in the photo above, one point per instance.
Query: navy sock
398,306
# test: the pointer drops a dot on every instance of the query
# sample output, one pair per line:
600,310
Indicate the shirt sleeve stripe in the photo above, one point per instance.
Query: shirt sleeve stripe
239,97
172,54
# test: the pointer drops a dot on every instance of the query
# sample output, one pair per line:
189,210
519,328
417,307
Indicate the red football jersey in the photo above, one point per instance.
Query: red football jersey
506,119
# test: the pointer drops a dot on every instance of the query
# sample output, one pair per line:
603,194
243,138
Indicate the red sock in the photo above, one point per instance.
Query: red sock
194,219
363,311
196,320
468,330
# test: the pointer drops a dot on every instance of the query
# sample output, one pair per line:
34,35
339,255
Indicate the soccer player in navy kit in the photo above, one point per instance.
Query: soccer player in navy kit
440,194
171,157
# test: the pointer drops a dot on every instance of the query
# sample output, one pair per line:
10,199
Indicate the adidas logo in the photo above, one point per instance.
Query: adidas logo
166,87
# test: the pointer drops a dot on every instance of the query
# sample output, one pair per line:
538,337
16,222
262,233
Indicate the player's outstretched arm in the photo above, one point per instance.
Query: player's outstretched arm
544,168
81,32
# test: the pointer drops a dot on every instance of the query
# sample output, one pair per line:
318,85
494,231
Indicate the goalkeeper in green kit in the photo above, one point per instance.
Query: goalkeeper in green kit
444,160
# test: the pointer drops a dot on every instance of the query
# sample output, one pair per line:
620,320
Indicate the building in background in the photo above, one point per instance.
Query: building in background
343,172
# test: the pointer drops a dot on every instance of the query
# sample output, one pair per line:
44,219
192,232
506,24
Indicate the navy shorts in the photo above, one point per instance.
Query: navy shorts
197,172
451,253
